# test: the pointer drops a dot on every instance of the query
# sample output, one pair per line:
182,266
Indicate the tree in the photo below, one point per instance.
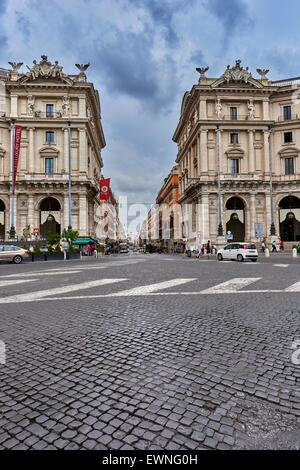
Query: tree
71,235
53,238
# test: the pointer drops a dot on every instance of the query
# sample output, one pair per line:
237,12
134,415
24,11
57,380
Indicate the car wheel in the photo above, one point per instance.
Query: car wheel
220,257
17,259
240,258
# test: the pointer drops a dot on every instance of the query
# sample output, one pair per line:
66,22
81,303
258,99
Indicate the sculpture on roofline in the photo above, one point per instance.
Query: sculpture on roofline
237,73
202,71
263,73
15,66
82,68
45,69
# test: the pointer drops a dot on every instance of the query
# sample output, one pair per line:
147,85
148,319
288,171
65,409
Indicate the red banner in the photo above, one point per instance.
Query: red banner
17,144
104,189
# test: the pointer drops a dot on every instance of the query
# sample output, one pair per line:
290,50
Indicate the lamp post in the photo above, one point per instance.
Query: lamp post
70,207
12,232
272,229
220,226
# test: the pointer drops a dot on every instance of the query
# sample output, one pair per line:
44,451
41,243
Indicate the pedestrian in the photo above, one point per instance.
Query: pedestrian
88,250
274,247
214,247
281,246
208,249
263,246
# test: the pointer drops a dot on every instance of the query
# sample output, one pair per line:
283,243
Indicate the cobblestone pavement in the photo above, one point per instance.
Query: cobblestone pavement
97,359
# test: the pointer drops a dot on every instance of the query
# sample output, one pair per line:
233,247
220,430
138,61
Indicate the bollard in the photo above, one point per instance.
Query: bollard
65,255
267,253
295,254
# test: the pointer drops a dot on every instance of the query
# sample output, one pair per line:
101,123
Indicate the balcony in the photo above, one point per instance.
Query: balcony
45,115
291,117
239,117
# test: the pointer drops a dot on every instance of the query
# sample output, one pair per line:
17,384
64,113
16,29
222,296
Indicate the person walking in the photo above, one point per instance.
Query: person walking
208,249
274,248
88,250
281,245
263,246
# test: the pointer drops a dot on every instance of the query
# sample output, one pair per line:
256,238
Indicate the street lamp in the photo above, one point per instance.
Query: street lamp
12,232
220,226
70,207
272,229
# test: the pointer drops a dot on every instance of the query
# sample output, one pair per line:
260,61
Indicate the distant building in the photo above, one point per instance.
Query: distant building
244,108
43,101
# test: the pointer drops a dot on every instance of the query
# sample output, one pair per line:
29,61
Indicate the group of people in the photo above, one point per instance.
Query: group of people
274,246
203,248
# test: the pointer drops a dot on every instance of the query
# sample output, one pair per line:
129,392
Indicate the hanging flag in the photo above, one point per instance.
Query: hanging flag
17,144
104,189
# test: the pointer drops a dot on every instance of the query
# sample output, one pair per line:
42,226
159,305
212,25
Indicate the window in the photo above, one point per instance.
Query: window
288,137
49,165
49,136
233,114
234,166
289,166
49,110
234,138
287,115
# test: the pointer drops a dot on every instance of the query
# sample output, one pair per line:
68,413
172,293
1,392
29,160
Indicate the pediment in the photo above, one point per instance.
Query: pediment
223,83
289,151
235,152
52,151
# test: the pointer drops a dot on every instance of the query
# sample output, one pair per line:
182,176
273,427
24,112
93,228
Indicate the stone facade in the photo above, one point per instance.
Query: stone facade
43,101
246,109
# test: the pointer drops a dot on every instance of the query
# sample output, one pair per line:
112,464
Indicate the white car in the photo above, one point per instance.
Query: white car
238,251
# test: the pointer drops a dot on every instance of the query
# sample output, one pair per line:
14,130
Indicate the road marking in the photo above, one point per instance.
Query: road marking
281,265
37,273
293,288
231,286
15,281
33,296
148,289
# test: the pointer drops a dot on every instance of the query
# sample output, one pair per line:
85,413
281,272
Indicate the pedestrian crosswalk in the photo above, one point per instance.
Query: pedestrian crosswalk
171,287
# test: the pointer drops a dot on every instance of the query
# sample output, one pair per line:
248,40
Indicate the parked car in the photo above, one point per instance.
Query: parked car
238,251
12,254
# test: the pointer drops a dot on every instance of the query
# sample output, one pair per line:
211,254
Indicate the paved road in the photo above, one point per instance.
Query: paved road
150,352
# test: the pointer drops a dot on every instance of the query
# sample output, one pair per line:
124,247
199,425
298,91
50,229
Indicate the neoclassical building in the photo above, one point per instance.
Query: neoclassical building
247,110
43,101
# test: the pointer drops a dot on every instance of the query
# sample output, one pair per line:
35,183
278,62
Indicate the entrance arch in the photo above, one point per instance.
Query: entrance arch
50,212
235,218
2,220
289,219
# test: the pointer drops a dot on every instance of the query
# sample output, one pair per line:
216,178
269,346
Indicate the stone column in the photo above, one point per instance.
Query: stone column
266,152
251,168
203,217
82,151
198,155
14,105
266,110
30,211
83,210
202,109
66,150
252,217
203,151
66,212
82,106
31,162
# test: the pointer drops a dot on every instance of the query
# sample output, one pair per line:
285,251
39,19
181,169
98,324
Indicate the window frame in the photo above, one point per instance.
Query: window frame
232,138
51,141
50,114
236,164
233,114
287,112
51,167
289,165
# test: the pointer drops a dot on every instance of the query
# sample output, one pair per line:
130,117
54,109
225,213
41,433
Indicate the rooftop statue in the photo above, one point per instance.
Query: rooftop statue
45,69
15,66
236,73
82,67
202,71
263,73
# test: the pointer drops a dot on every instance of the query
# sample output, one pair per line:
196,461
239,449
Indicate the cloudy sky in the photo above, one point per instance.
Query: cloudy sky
143,55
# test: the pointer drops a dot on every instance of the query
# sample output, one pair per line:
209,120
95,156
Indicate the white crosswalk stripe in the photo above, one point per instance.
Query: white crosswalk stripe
294,288
233,285
33,296
14,282
146,290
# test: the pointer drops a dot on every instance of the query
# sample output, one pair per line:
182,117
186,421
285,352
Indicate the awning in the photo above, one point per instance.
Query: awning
83,241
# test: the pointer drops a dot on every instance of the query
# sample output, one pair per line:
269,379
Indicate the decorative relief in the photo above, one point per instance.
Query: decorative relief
30,105
66,106
251,109
45,69
218,108
236,73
